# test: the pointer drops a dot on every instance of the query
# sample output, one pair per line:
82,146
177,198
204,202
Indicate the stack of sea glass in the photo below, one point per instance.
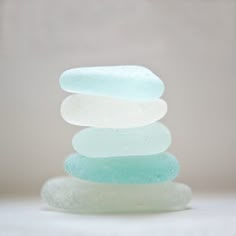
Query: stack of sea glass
120,163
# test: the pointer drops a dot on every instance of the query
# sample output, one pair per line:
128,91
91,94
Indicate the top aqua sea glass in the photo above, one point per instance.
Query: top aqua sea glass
129,82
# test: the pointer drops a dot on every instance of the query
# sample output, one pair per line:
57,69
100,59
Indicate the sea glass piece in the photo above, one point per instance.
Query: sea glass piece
105,142
107,112
124,170
131,82
75,195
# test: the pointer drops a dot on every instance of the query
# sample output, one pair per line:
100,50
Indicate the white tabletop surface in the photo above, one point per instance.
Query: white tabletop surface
208,214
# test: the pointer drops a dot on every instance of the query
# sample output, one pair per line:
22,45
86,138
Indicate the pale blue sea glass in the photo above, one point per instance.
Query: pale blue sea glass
105,142
130,82
124,170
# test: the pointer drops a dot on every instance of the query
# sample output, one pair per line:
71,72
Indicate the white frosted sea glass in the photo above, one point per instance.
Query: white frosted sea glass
108,112
74,195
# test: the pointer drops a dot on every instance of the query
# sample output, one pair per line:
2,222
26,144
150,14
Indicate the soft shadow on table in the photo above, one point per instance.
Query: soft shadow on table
115,215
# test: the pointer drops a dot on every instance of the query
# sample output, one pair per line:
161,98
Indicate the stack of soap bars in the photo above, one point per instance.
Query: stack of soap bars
120,163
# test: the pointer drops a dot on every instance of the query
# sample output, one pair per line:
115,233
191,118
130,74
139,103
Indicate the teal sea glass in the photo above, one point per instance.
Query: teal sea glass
124,170
104,142
130,82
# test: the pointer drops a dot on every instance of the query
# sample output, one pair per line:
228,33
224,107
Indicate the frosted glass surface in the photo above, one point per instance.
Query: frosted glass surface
74,195
105,142
132,82
140,169
107,112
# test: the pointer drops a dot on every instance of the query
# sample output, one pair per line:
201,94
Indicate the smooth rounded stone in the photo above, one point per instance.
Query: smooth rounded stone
107,112
124,170
131,82
105,142
75,195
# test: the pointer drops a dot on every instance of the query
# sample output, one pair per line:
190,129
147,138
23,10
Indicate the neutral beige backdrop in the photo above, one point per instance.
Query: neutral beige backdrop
189,44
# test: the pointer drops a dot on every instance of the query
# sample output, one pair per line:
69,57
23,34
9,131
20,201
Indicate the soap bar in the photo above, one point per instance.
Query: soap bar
124,170
105,142
107,112
131,82
74,195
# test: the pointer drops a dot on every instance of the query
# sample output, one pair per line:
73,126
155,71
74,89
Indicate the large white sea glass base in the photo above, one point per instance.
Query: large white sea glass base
74,195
